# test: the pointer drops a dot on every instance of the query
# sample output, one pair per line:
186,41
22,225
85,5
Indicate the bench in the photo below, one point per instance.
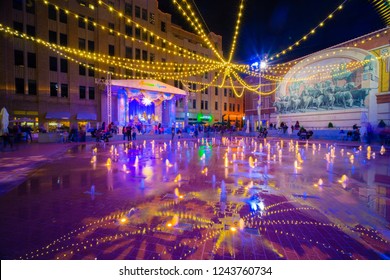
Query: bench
302,136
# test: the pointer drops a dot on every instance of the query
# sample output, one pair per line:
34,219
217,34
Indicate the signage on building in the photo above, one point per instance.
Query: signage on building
204,118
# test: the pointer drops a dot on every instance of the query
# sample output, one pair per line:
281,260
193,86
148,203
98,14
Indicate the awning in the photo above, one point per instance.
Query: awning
86,116
148,86
58,115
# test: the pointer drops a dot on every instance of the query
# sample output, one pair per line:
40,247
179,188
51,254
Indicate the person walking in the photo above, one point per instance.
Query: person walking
173,132
134,133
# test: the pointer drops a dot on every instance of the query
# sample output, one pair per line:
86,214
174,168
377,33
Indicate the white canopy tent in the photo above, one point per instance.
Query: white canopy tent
148,86
144,92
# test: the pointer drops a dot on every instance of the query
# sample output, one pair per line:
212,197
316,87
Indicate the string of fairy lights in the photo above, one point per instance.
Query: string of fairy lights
196,24
383,8
309,34
228,73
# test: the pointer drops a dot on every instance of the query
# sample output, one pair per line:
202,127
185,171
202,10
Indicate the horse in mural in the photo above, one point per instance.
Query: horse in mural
359,96
342,73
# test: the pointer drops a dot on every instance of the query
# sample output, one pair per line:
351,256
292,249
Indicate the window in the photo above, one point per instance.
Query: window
194,104
238,107
30,30
129,9
17,5
81,44
53,37
206,90
91,93
137,54
18,58
63,16
163,27
111,27
91,27
64,65
91,46
225,92
206,105
18,26
216,106
225,106
151,18
63,39
82,92
201,104
54,89
128,72
32,87
31,60
81,21
151,38
144,14
206,75
91,70
82,70
163,44
129,30
144,35
52,12
144,55
152,57
230,106
64,90
137,12
53,63
137,33
19,86
216,91
234,107
111,50
30,6
129,52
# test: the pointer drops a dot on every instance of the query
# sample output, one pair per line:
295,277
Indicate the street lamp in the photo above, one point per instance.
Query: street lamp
258,66
263,65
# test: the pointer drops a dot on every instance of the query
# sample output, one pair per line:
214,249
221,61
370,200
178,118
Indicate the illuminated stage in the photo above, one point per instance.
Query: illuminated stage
146,101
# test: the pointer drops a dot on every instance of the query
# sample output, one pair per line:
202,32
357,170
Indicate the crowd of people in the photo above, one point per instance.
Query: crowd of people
19,133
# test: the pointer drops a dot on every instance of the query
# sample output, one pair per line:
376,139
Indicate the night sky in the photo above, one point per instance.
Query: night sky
270,26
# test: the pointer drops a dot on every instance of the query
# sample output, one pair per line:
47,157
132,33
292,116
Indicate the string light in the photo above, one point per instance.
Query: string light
170,47
233,47
197,26
309,34
383,8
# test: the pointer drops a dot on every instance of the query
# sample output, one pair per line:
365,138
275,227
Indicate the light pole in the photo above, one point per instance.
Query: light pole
262,64
107,84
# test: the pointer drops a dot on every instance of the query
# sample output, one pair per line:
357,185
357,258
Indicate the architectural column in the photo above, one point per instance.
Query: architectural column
186,110
172,111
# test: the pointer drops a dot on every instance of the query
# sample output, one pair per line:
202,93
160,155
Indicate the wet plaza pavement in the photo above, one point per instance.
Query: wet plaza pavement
206,199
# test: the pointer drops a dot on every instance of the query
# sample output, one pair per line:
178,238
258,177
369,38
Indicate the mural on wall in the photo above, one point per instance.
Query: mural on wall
329,84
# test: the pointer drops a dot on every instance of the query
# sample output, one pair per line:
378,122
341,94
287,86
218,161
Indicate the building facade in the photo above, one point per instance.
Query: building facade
58,81
340,86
